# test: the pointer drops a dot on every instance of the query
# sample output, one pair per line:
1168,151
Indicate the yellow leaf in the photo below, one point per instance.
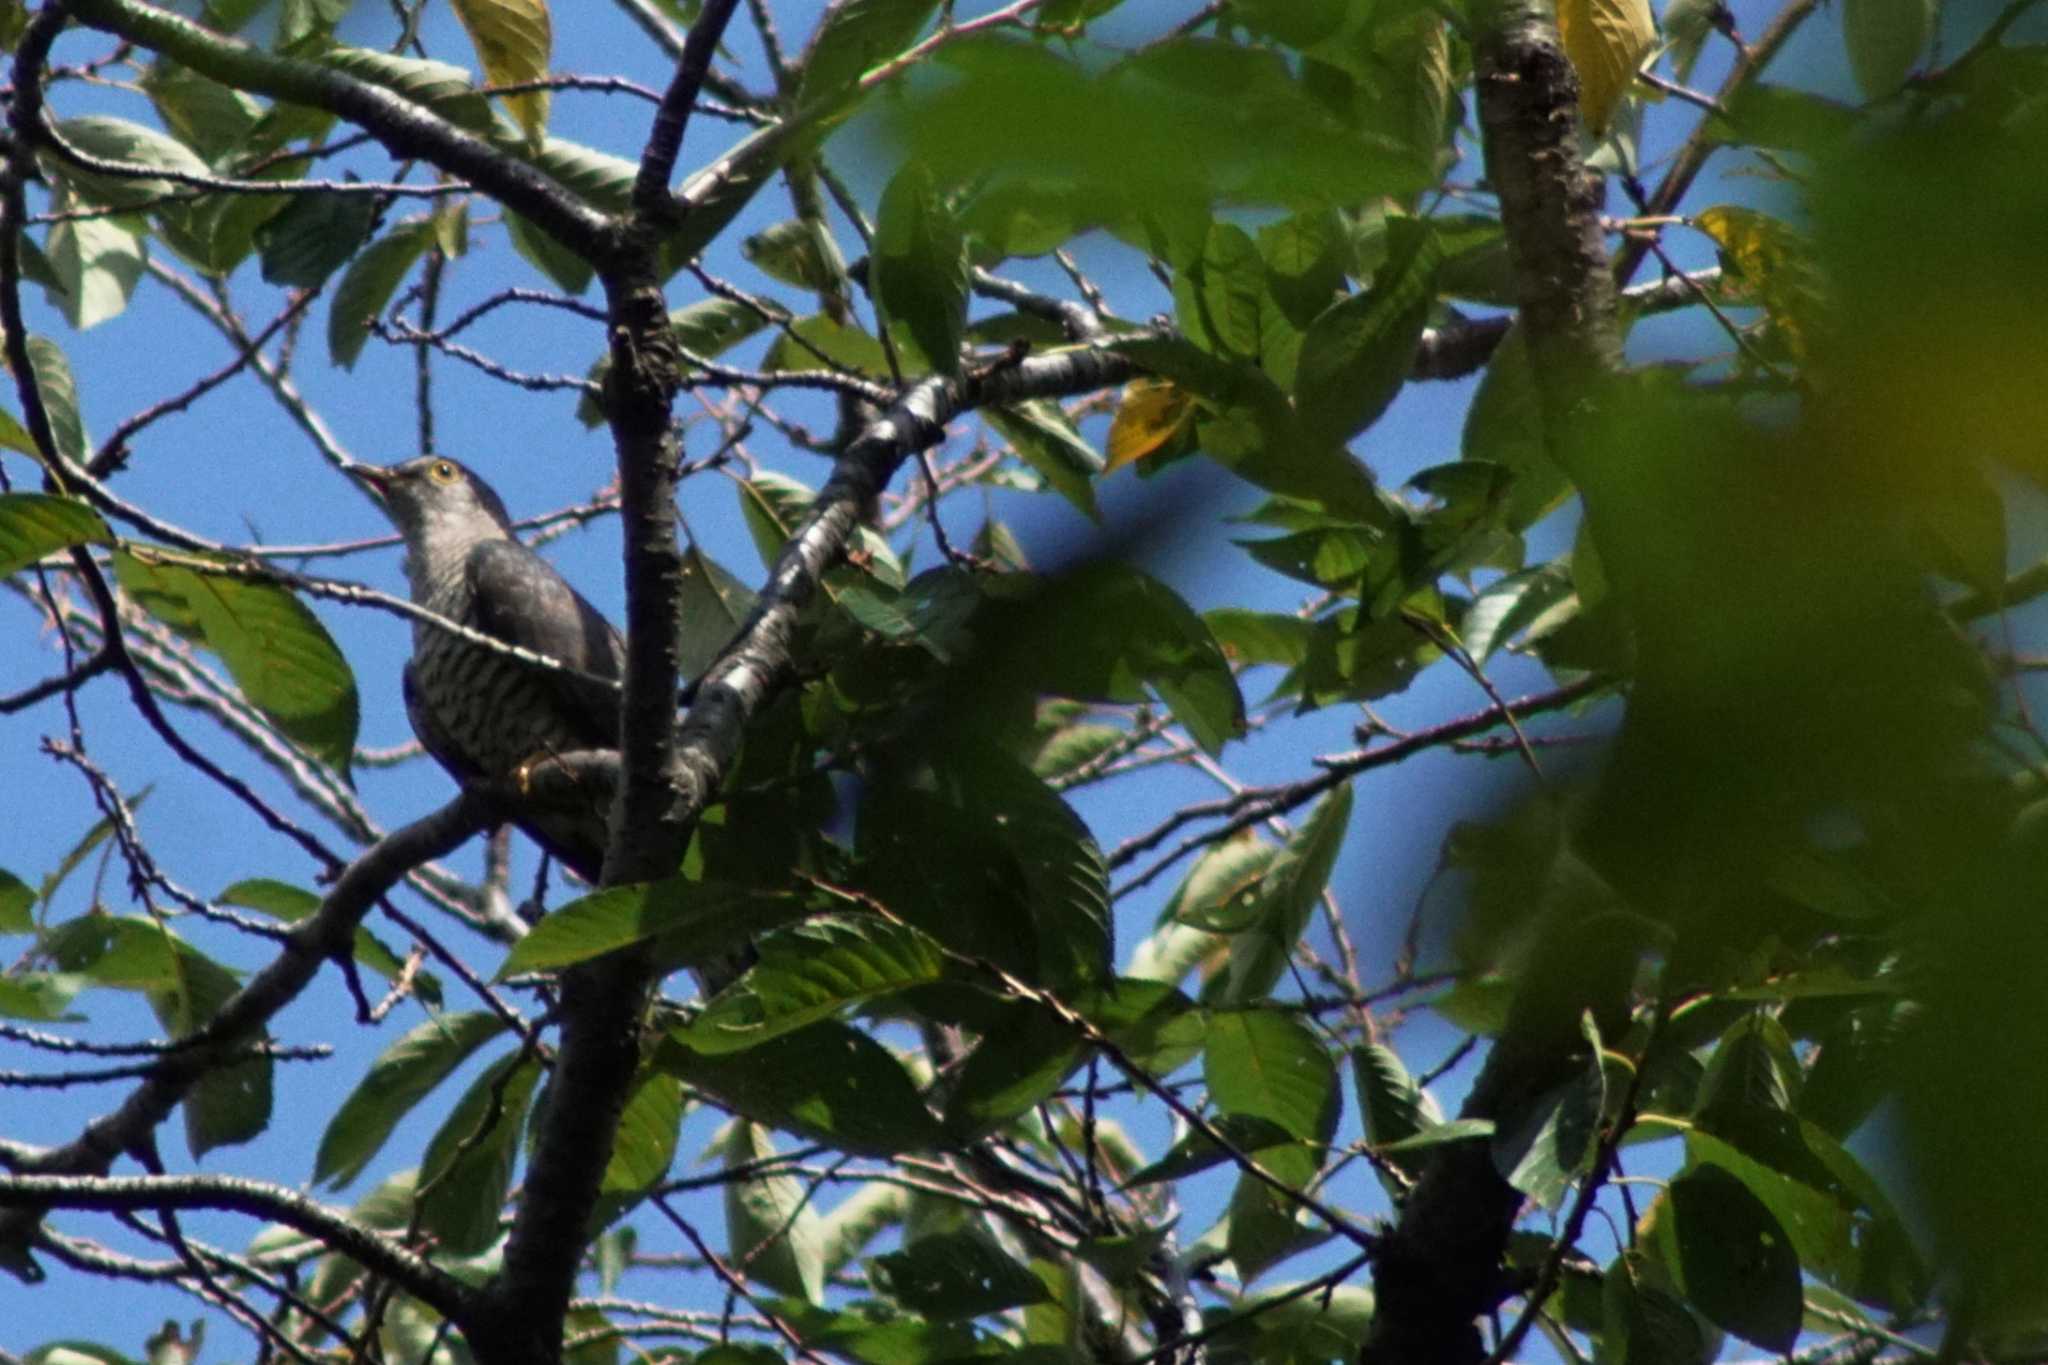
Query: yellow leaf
514,40
1152,413
1606,40
1771,263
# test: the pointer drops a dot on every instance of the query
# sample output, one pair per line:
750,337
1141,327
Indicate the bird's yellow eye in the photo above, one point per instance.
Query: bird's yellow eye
440,471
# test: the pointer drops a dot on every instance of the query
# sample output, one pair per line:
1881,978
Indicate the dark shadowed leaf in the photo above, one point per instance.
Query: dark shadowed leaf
1730,1258
403,1075
467,1169
918,269
1357,355
368,285
956,1275
312,236
829,1082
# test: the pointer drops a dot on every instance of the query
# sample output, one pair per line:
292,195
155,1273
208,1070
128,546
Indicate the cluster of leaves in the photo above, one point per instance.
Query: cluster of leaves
1807,857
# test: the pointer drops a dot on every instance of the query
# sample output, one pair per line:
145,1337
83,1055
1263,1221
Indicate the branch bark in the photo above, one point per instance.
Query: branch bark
327,933
1441,1267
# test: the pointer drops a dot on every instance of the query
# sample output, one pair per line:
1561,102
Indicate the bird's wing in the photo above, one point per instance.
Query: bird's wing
522,600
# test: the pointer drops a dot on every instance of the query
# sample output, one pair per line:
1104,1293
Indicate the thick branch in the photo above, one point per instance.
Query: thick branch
1441,1266
420,1278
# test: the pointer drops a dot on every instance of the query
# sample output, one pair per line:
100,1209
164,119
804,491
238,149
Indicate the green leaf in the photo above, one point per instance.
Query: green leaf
97,262
276,650
1885,38
1358,354
185,989
986,831
956,1275
1286,898
858,35
829,1082
712,602
467,1170
918,268
1544,1149
1643,1325
772,1229
1195,1153
211,118
711,327
1436,1135
1504,426
1119,631
1259,637
1246,424
60,401
1730,1258
1394,1107
42,996
796,252
514,40
570,272
1221,892
440,86
718,192
644,1147
1042,436
311,237
1265,1227
117,139
695,921
33,525
1015,1068
403,1075
17,902
1774,116
1754,1066
811,972
819,343
1508,606
368,284
1220,297
1268,1065
1186,123
101,830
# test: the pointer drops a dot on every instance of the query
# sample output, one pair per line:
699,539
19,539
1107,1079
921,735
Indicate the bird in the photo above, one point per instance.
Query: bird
487,716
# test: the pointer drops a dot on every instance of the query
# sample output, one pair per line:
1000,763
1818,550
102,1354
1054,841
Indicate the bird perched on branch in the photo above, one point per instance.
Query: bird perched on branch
488,715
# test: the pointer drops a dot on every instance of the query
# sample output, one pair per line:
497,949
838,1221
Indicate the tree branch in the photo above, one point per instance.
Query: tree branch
419,1277
327,933
406,128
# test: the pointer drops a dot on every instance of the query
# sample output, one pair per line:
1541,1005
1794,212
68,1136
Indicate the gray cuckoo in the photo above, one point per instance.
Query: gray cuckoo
486,715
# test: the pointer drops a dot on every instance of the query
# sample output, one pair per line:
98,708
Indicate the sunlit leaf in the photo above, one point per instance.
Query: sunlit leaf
275,648
1606,40
33,525
514,40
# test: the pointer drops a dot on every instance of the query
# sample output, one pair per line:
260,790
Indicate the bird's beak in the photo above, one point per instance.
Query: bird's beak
374,477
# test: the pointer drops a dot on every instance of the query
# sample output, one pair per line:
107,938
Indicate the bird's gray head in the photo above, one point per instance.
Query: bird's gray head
432,499
441,508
